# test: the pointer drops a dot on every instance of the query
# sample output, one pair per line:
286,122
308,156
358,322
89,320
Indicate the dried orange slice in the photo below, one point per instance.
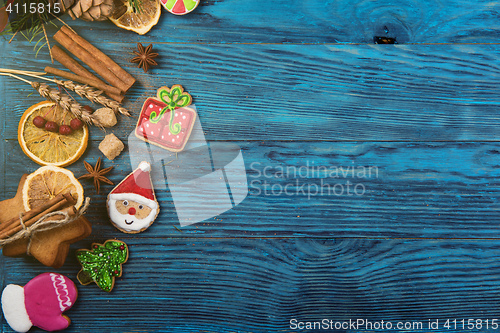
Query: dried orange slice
141,22
49,148
47,182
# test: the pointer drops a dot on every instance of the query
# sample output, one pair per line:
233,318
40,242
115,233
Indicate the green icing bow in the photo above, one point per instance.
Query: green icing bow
102,264
174,98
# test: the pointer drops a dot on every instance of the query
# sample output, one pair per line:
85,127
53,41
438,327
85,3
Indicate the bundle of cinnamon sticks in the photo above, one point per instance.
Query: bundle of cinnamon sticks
118,80
61,202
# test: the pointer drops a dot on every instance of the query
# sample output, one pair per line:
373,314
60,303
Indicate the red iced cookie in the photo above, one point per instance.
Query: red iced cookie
166,121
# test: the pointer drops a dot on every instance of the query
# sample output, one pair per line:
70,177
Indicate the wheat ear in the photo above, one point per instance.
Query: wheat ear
93,95
65,102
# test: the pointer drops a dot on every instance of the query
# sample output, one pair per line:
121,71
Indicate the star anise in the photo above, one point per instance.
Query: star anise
97,174
145,57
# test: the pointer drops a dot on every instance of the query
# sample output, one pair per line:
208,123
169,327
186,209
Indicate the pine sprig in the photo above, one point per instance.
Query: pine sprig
30,25
136,5
31,22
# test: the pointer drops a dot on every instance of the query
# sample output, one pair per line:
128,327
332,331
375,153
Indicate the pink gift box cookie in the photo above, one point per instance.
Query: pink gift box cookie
166,121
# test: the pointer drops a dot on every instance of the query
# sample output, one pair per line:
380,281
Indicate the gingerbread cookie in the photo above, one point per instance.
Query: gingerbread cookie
102,264
132,205
40,303
180,7
167,121
49,246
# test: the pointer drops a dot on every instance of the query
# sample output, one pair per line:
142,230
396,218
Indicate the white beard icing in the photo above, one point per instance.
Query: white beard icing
129,222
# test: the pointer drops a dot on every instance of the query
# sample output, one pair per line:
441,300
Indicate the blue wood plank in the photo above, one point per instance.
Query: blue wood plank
2,160
275,258
318,21
315,92
330,189
255,285
3,126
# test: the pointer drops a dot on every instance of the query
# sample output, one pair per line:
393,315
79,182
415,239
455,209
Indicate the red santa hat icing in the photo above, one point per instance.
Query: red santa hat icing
137,187
40,303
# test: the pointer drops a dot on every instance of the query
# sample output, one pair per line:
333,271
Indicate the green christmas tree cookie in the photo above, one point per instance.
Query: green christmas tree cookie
102,264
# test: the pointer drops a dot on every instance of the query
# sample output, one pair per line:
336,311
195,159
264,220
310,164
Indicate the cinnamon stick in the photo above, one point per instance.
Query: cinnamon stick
33,212
94,58
71,211
13,226
113,66
18,227
74,66
91,61
80,79
81,53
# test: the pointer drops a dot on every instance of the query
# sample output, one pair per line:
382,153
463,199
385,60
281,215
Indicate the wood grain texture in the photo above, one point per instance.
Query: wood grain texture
243,285
3,125
318,21
327,93
301,189
293,90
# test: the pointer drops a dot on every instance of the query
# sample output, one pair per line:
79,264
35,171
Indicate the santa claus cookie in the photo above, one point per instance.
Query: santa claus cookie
40,303
132,205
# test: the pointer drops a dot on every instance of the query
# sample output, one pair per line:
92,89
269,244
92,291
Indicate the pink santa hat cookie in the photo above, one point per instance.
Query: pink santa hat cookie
40,303
132,205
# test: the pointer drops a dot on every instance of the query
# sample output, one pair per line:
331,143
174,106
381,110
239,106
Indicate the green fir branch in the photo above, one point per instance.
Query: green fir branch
26,21
30,25
136,6
40,48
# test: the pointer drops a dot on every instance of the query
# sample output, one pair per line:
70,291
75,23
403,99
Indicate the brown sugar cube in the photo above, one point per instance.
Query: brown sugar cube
111,146
106,117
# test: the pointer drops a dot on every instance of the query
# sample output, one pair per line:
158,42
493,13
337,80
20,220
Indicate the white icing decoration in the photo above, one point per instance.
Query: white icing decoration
151,106
183,117
62,292
147,124
14,309
163,136
173,140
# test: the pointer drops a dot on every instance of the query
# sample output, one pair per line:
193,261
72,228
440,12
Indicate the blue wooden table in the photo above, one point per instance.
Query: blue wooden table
300,85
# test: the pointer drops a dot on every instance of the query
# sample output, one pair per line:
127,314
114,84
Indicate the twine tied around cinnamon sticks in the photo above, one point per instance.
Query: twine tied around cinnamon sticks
28,224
